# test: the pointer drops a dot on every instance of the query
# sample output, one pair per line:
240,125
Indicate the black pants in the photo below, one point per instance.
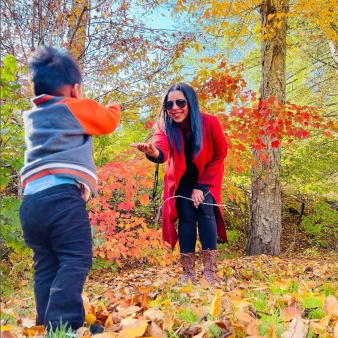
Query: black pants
189,215
56,226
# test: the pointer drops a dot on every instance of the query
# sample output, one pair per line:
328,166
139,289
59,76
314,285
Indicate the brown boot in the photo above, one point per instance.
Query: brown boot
210,267
188,264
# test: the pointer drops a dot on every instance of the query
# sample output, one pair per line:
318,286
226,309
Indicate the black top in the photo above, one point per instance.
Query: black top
190,176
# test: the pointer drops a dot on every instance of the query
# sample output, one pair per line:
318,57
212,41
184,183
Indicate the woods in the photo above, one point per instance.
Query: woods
266,68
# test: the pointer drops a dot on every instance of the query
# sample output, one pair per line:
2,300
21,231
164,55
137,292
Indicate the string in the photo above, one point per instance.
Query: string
190,199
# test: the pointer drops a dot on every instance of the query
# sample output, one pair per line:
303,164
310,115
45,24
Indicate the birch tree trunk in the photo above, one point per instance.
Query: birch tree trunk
266,205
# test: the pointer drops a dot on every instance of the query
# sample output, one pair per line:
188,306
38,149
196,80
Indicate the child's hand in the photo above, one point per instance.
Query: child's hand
118,104
147,148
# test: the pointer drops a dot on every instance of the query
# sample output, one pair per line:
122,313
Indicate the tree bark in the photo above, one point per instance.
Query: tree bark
266,205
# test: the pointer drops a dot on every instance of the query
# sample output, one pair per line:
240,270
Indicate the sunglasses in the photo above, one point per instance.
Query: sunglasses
180,103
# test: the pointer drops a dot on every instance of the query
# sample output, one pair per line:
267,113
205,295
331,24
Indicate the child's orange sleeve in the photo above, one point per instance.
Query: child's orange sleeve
94,118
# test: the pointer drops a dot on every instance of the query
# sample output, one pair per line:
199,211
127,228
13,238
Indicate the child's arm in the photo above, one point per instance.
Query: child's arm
94,118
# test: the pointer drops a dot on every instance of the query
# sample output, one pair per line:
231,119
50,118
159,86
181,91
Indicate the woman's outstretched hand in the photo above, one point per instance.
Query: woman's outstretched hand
147,148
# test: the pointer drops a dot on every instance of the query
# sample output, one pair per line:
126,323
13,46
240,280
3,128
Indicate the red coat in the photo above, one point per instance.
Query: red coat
209,163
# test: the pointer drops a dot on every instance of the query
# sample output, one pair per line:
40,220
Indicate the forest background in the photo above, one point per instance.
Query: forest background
268,71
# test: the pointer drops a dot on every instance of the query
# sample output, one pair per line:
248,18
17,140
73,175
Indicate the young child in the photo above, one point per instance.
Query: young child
58,177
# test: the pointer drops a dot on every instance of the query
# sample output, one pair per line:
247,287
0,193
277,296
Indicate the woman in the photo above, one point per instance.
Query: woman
194,146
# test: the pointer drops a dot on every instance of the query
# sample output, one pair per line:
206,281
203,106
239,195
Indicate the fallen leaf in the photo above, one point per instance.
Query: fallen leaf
82,331
318,328
331,305
106,335
243,317
6,334
111,320
28,323
252,328
200,335
35,330
168,321
136,329
335,331
185,289
90,318
144,301
154,330
7,328
199,310
296,328
290,312
129,310
154,314
215,307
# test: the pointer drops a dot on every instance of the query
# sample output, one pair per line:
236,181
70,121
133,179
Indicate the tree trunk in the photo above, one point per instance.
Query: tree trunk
266,205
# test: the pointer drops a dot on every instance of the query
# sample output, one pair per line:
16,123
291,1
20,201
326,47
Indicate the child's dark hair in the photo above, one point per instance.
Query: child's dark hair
51,69
171,127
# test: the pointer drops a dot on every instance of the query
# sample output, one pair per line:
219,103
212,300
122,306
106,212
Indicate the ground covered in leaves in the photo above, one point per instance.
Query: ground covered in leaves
262,296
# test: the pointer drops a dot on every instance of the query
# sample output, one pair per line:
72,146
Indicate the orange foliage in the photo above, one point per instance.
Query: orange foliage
123,235
252,127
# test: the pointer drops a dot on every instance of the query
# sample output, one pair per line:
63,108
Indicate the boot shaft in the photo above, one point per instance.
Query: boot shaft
188,265
210,266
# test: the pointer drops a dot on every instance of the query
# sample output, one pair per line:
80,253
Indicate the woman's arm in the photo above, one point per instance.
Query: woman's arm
147,148
156,151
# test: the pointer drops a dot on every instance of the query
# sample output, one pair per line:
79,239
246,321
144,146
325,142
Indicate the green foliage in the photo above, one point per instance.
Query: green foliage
12,148
314,306
11,233
12,105
322,220
108,147
100,264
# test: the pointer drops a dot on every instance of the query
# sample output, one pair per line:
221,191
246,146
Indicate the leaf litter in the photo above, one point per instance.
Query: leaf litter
261,294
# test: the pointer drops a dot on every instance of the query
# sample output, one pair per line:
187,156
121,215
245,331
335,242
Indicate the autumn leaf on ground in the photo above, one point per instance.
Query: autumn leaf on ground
252,328
330,308
154,314
8,334
243,317
215,306
168,321
133,330
129,310
106,335
189,331
335,331
90,318
296,328
153,330
82,332
290,312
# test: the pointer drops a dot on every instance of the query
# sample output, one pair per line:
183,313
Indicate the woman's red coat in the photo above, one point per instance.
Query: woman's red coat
209,163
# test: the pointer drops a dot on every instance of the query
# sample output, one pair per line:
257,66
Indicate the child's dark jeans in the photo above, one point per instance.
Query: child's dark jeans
56,226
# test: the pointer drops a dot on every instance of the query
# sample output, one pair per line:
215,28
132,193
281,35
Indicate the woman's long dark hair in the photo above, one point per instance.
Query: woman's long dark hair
172,128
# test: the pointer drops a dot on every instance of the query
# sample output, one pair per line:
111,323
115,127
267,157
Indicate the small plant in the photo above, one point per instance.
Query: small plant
61,332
